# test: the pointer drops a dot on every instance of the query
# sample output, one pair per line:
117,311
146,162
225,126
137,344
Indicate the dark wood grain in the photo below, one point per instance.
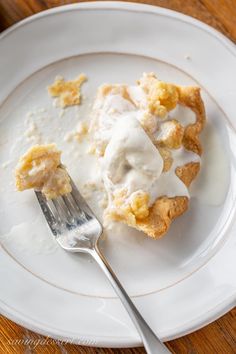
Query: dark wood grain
216,338
220,14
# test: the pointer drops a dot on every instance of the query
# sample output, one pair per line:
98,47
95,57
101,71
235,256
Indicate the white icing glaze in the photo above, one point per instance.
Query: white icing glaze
125,165
137,95
30,237
182,156
183,114
169,184
106,113
116,104
166,129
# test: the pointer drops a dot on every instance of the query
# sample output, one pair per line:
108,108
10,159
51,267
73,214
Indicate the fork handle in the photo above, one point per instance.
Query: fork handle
150,341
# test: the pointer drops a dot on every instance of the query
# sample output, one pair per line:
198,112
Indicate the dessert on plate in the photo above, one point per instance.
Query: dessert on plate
146,138
40,168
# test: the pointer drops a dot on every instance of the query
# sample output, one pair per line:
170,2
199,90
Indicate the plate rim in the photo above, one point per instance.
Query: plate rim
229,44
221,308
117,342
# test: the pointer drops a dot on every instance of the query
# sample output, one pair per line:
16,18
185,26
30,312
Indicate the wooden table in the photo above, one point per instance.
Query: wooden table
216,338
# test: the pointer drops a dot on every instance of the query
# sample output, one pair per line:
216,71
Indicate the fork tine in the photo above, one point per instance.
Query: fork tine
71,220
71,213
72,205
50,215
79,201
62,210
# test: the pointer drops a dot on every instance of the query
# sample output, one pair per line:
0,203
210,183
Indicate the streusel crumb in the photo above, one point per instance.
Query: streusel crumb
68,92
161,96
40,168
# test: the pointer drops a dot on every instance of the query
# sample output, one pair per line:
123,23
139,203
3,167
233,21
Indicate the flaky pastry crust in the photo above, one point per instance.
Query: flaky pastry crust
165,210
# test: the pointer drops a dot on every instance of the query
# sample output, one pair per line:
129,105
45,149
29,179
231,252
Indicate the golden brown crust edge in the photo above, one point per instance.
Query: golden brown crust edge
190,96
188,172
165,210
162,213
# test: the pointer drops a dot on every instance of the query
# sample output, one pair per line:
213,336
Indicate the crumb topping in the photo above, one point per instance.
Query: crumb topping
161,96
40,168
68,92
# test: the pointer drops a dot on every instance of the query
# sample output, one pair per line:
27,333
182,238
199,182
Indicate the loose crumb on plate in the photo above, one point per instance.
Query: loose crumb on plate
61,113
187,57
32,133
68,92
29,114
78,134
69,137
41,110
56,102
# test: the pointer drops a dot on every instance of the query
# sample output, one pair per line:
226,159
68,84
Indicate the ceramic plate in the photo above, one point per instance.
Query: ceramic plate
179,283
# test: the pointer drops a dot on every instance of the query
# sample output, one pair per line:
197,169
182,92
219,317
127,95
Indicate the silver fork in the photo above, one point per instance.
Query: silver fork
77,229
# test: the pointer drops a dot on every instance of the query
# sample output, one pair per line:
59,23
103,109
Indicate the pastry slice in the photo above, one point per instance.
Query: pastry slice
146,137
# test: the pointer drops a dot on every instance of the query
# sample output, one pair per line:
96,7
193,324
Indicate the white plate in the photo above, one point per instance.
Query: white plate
179,283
